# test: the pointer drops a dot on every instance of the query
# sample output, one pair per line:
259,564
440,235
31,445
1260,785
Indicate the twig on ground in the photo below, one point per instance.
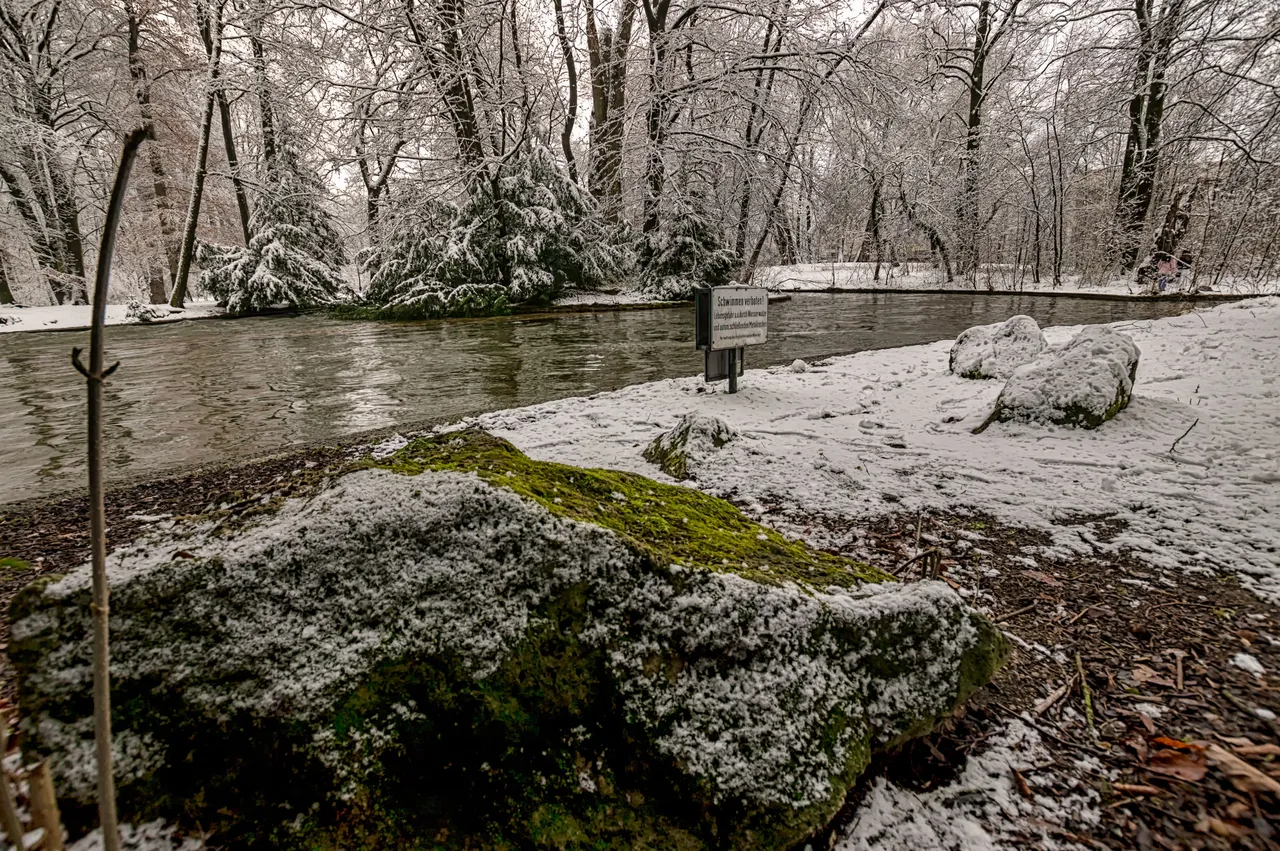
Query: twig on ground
1013,615
1088,697
1184,434
1057,694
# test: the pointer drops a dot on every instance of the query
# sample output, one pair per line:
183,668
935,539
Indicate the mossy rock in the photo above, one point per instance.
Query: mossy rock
1081,384
460,647
677,451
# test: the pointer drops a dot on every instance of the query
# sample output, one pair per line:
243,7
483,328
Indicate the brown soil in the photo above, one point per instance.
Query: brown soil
1129,630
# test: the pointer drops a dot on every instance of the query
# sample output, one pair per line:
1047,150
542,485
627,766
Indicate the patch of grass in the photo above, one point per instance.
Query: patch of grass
672,524
10,566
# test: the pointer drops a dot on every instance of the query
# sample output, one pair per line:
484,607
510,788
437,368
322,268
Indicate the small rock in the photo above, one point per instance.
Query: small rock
695,437
798,365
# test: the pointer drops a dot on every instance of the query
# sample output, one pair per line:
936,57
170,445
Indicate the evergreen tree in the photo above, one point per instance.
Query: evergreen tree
525,236
687,253
294,256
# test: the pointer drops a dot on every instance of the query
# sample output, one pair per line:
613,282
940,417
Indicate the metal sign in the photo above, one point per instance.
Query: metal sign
726,319
739,317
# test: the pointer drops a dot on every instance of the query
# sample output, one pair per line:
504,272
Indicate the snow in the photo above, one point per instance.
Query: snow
995,351
151,836
1249,663
607,299
1090,374
981,810
809,277
831,442
66,316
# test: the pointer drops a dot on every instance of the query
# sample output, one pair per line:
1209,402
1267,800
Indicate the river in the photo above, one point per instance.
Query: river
197,392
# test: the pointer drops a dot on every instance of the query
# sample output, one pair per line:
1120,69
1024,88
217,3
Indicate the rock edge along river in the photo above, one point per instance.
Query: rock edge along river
200,392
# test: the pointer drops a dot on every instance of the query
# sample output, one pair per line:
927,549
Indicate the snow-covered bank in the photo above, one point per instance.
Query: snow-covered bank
816,277
65,317
887,431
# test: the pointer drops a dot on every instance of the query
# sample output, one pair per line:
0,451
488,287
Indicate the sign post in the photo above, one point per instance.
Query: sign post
726,321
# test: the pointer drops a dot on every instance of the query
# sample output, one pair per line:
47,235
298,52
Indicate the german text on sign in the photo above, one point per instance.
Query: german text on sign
739,317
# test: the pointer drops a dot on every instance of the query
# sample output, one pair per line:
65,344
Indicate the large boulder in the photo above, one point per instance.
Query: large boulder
995,351
459,647
678,450
1083,383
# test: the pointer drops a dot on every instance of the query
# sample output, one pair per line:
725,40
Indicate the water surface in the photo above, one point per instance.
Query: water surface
195,392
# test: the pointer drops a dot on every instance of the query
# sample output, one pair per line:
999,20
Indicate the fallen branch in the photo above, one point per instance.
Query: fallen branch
1184,434
1057,694
1013,615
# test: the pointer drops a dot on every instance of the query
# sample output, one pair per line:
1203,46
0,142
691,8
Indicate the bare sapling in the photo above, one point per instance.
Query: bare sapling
95,375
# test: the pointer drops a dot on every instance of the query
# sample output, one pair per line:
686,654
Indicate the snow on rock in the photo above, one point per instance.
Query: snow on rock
981,810
1084,383
467,625
678,451
995,351
146,313
798,366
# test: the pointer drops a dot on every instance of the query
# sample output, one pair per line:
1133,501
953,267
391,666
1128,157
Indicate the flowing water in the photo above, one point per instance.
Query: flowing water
196,392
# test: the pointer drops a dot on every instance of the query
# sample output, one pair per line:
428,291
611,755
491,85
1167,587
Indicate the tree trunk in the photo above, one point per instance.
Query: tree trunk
607,60
761,89
157,193
1141,161
656,116
266,113
233,164
6,293
970,221
571,111
211,35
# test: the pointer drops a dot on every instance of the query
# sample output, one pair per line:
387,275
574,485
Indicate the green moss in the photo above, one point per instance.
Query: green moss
671,524
10,566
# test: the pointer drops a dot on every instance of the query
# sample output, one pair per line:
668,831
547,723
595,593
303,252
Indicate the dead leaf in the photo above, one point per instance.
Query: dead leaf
1138,745
1243,776
1179,764
1148,723
1239,809
1024,788
1269,749
1144,674
1180,745
184,554
1218,827
1237,741
1041,576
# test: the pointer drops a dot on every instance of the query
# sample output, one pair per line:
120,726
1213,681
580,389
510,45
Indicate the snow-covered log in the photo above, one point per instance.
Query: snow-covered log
462,642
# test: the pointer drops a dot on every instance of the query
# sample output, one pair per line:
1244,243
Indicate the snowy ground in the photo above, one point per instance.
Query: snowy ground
880,432
67,316
922,276
889,430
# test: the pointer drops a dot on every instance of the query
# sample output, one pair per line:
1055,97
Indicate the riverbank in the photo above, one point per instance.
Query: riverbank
1139,560
78,317
924,278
